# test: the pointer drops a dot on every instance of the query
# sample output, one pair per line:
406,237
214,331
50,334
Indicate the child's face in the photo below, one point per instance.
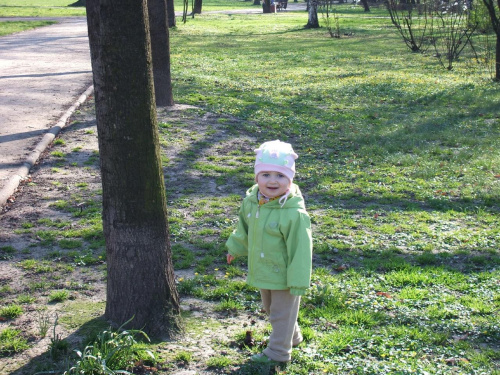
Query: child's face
273,184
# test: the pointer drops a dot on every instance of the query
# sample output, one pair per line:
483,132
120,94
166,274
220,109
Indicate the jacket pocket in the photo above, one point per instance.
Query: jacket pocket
272,269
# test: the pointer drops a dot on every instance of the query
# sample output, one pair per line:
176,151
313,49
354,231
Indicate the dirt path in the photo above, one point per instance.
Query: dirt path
43,72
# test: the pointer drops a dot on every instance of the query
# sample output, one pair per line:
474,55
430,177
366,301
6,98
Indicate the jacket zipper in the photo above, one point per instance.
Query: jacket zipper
254,233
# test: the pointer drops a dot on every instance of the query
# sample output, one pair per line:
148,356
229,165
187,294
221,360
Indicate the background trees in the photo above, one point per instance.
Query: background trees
160,45
140,280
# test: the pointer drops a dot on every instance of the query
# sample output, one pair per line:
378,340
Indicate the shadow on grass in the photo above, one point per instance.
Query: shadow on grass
45,364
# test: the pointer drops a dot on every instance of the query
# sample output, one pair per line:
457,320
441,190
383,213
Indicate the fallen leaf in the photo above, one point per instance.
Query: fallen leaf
384,294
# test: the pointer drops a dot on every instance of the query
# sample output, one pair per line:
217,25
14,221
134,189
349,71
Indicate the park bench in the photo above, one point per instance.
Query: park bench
281,5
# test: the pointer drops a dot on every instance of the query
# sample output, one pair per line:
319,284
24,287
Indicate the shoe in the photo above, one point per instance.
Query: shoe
297,342
262,358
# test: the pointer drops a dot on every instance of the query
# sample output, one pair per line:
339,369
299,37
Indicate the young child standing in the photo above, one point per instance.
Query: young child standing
274,231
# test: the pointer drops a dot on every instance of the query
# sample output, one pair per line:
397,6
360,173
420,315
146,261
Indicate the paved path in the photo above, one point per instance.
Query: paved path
43,72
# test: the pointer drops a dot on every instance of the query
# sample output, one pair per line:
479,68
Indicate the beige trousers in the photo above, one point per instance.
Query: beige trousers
283,309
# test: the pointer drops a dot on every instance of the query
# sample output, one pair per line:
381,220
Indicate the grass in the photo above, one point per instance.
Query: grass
400,165
39,8
11,27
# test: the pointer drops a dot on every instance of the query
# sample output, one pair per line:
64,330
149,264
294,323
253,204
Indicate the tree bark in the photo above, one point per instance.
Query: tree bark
171,13
140,280
197,6
160,46
365,5
313,22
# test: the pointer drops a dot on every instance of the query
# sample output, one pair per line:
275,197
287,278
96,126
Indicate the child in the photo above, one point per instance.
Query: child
274,231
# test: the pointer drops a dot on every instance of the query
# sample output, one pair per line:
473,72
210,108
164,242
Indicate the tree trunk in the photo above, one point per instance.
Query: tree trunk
313,22
197,6
365,5
160,47
171,13
256,2
140,280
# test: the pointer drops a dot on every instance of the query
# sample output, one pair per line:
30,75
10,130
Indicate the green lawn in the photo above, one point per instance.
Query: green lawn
399,161
39,8
400,164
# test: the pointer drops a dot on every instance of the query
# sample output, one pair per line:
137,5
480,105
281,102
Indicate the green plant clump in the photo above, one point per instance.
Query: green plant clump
11,342
112,352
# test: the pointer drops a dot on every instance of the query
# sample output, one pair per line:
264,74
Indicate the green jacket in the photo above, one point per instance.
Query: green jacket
277,241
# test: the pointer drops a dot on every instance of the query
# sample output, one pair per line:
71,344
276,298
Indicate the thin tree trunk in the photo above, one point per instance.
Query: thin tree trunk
160,46
140,278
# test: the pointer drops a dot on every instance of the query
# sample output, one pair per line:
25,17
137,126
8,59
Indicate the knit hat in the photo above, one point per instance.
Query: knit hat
276,156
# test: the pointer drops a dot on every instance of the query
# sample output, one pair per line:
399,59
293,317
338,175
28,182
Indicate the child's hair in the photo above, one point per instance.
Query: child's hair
275,156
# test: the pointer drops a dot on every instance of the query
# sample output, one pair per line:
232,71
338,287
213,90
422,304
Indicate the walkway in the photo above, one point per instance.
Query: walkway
42,73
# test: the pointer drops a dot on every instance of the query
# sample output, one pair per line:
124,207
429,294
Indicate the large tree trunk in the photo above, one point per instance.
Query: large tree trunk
171,13
160,46
313,22
140,280
197,6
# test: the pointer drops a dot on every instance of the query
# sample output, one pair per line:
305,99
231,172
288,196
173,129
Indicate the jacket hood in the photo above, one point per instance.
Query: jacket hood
295,198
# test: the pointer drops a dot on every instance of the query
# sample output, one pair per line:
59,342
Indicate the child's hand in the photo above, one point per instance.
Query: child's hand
229,258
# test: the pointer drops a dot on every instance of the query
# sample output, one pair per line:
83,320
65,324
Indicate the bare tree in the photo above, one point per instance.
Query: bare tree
160,45
331,17
451,32
140,277
412,22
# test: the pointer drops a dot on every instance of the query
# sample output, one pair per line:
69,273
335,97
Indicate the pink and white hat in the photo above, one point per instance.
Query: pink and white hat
275,156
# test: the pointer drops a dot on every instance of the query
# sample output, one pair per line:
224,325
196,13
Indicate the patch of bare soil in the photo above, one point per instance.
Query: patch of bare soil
68,172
